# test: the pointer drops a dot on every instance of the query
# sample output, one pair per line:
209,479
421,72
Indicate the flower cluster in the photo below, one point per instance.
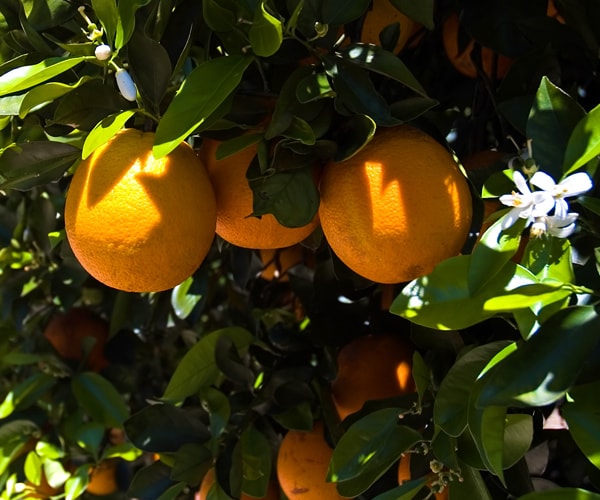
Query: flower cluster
535,206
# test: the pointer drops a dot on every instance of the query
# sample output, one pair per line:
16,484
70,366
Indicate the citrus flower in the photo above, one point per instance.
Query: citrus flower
125,84
103,52
526,204
573,185
557,226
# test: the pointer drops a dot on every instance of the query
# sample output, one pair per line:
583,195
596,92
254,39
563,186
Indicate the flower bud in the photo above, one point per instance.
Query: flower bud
125,84
103,52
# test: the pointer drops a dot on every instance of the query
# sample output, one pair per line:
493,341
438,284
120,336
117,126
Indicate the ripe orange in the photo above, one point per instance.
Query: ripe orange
381,14
103,478
552,11
66,331
136,223
397,208
404,474
372,367
461,57
234,204
43,490
276,262
209,479
302,464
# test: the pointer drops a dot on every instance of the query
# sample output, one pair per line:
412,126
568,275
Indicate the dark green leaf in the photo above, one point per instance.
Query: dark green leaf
266,33
471,486
198,369
562,494
584,142
160,428
150,482
450,410
25,77
220,16
552,118
25,166
219,409
487,427
314,86
26,393
100,399
126,21
202,92
546,366
232,146
256,462
13,438
191,462
353,135
407,491
341,11
410,108
421,11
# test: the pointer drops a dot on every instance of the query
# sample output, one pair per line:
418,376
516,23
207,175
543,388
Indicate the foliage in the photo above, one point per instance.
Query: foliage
216,370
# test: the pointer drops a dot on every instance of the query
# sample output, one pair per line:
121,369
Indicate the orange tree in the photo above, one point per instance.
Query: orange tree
214,371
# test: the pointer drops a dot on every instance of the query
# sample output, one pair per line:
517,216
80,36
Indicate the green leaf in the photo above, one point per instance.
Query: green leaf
232,146
543,369
562,494
551,121
518,436
28,76
105,130
201,93
582,413
378,60
100,399
76,484
421,11
14,436
153,481
471,486
161,428
219,409
312,87
407,491
191,461
108,15
368,448
584,142
25,166
421,375
534,294
26,393
220,16
126,21
20,105
451,406
256,462
341,11
487,427
198,369
182,301
266,33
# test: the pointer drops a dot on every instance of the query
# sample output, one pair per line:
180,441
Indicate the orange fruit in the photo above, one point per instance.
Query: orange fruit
136,223
302,465
66,331
371,367
209,480
461,57
103,478
396,208
276,262
235,200
552,11
43,490
404,474
381,14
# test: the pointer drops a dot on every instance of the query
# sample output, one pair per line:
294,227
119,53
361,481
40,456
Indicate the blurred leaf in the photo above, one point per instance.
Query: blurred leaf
89,436
183,302
49,450
77,483
219,15
592,204
105,130
218,408
266,32
230,364
546,366
99,398
374,58
150,67
162,428
198,369
33,468
451,405
151,482
25,166
28,76
256,462
14,436
582,413
204,89
407,491
422,11
552,118
410,108
342,12
26,393
584,142
565,493
191,461
312,87
32,100
368,448
421,374
55,473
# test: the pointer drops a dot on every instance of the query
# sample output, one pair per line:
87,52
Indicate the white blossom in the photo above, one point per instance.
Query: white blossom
526,204
573,185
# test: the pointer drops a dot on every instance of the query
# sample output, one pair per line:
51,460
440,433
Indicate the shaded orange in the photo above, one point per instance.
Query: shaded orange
209,480
461,59
404,474
482,159
370,368
103,478
552,11
66,332
43,490
396,208
235,204
382,13
302,465
277,262
137,223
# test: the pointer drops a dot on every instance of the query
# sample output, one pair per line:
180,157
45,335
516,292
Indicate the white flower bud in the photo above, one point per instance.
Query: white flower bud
125,84
103,52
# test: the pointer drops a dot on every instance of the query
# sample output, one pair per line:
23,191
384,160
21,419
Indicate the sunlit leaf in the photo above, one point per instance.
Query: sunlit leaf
266,33
105,130
584,142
